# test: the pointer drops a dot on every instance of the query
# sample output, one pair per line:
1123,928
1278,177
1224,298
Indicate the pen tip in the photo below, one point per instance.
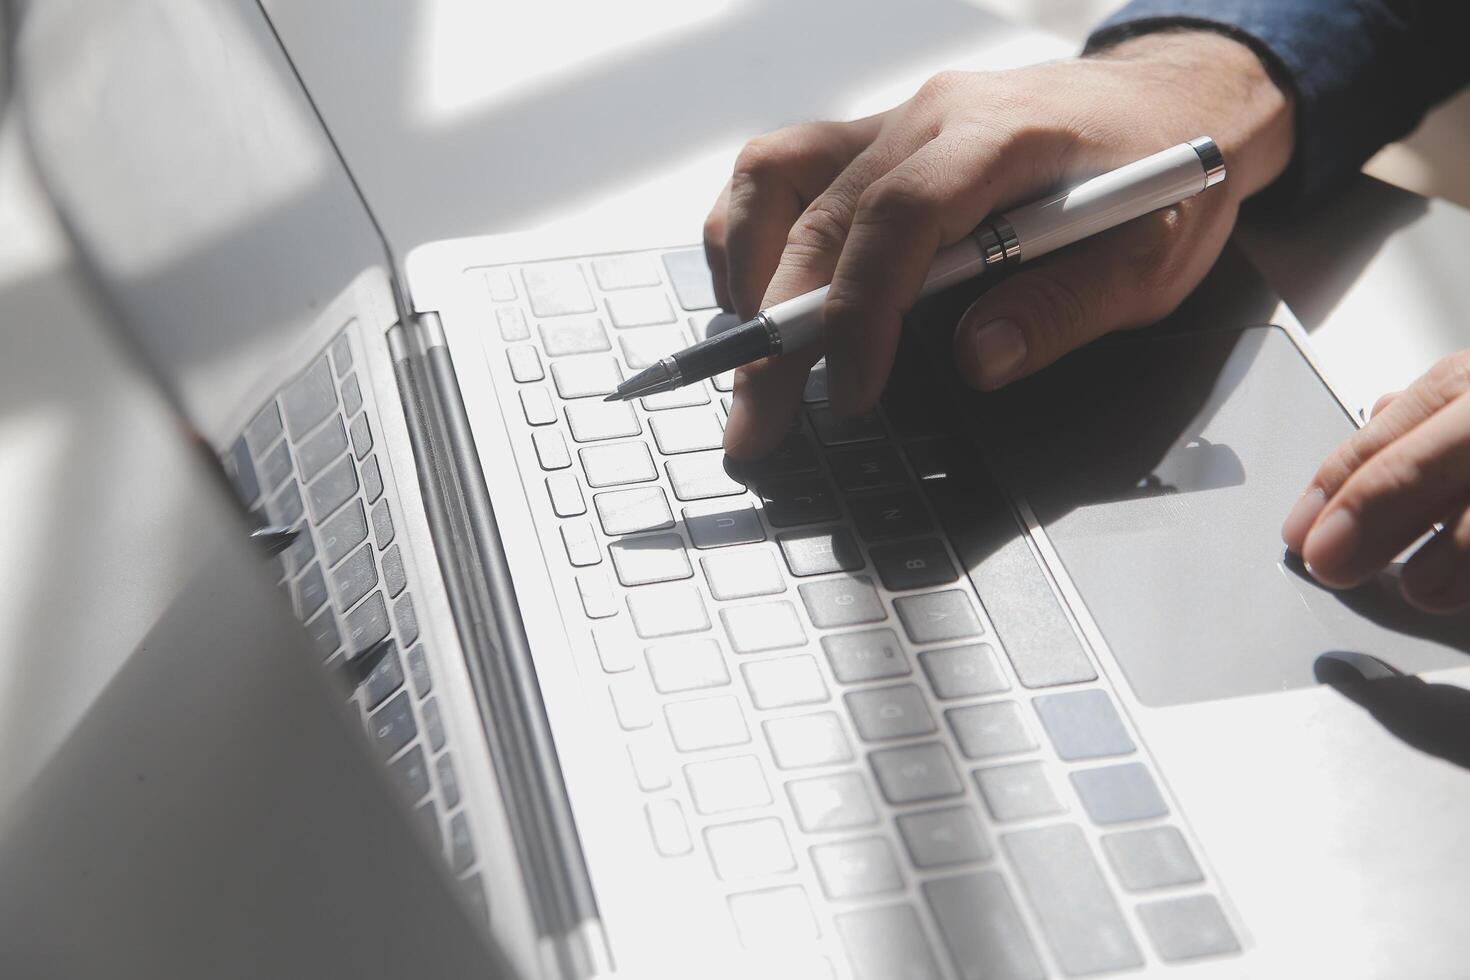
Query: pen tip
616,396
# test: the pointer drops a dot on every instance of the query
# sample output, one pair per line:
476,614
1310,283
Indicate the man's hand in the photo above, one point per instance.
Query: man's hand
1405,471
864,205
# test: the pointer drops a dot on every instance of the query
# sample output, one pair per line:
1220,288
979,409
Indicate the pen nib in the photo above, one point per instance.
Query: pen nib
649,381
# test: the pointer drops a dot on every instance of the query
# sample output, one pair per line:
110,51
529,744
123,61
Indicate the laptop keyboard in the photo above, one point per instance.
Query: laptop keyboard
309,460
815,702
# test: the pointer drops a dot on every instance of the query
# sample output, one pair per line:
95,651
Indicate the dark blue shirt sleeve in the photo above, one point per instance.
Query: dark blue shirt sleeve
1362,72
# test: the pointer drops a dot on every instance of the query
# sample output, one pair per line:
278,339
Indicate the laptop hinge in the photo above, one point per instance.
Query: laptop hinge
497,652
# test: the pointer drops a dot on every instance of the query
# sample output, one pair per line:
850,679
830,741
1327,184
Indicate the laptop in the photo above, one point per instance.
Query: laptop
1019,685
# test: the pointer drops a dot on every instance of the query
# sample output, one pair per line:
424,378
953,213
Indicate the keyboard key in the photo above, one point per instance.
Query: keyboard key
1154,858
1018,792
412,774
592,421
936,838
686,665
833,430
573,335
343,532
804,501
1066,890
351,395
937,616
501,287
323,631
652,762
816,384
512,325
309,399
865,656
819,550
1187,928
615,465
915,772
645,346
433,724
581,544
982,928
689,275
300,552
889,712
551,449
372,480
428,818
309,591
845,601
394,579
631,511
684,397
869,468
784,682
887,944
264,429
1083,725
639,308
631,702
385,677
667,610
742,574
724,381
913,564
275,467
392,725
285,507
779,918
448,780
418,672
382,524
1116,794
461,847
857,868
719,525
890,514
832,802
645,560
241,470
617,651
686,430
342,354
585,376
985,730
596,594
763,626
556,289
537,407
355,577
708,723
808,740
702,475
566,495
959,672
332,489
367,625
625,271
407,620
793,455
727,784
525,363
749,849
667,825
362,436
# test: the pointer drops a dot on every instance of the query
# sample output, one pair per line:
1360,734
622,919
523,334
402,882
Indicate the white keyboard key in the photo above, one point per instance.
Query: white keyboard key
551,449
832,802
573,335
773,917
808,740
566,495
617,651
751,849
724,382
631,511
816,383
625,271
667,610
557,288
784,682
649,559
632,703
709,723
536,404
689,275
720,524
593,421
984,730
646,345
615,465
581,543
597,595
742,574
525,363
889,712
857,868
1018,792
653,763
701,475
686,665
727,784
685,397
670,831
585,375
502,287
640,308
687,430
512,324
764,626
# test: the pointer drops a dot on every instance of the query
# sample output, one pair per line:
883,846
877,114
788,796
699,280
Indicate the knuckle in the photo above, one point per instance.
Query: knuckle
714,230
761,158
896,199
1387,476
822,228
938,86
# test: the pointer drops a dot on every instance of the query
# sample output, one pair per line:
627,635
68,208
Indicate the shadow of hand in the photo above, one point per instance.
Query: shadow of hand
1433,718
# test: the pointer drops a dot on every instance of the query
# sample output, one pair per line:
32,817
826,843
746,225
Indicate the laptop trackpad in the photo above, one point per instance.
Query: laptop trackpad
1161,469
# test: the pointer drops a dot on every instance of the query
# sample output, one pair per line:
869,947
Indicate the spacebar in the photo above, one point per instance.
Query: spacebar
1029,622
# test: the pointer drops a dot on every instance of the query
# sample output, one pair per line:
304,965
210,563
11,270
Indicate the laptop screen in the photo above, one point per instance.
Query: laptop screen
197,181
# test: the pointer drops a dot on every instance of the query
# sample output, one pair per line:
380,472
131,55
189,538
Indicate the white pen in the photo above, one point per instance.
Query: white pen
1018,235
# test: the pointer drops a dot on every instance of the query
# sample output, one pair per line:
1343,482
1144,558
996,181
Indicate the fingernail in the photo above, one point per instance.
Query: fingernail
998,349
1333,541
1303,513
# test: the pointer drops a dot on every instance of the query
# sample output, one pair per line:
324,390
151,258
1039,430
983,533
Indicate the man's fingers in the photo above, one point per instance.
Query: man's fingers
766,397
1442,384
1393,498
1383,402
1437,577
715,229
